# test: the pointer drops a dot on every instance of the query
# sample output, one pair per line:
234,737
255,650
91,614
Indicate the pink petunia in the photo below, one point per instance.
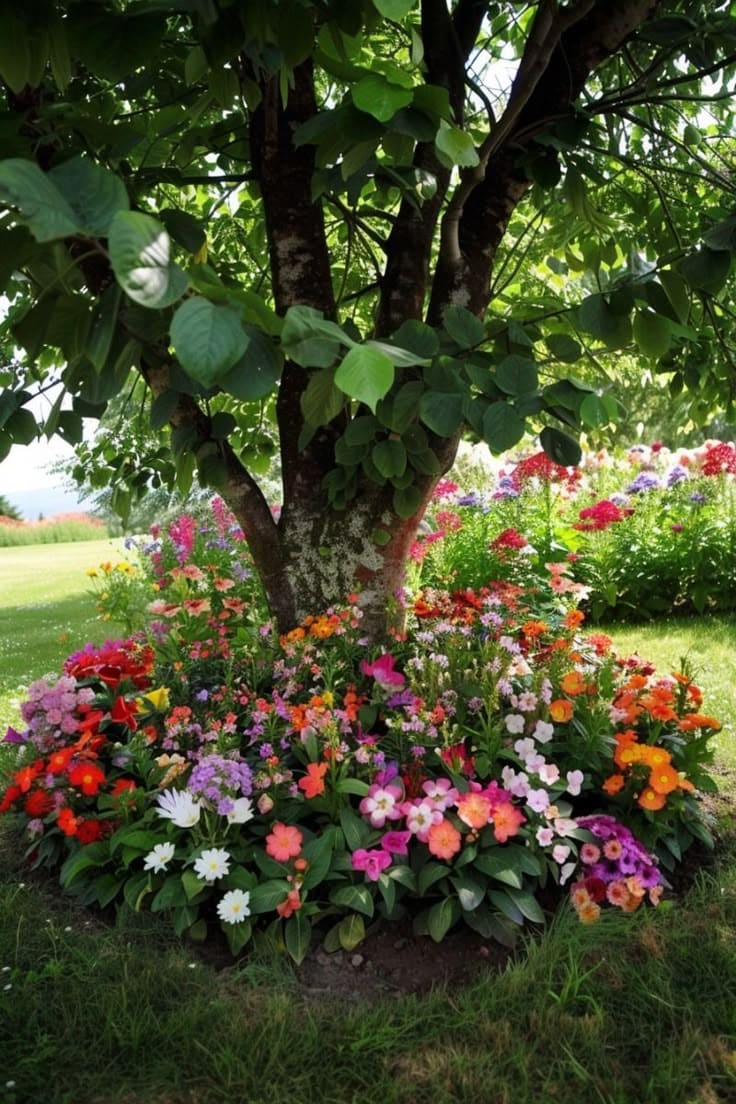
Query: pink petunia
396,842
371,863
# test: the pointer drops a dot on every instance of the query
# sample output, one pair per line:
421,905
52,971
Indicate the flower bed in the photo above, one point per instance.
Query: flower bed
647,531
241,781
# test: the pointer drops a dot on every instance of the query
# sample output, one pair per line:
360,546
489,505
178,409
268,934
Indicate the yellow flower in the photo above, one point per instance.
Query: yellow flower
92,572
158,699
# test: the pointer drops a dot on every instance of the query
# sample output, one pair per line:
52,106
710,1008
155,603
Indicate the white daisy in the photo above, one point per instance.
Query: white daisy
241,811
212,864
159,858
179,807
234,907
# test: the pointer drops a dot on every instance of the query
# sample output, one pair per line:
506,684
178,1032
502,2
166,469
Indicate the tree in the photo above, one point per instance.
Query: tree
359,227
7,510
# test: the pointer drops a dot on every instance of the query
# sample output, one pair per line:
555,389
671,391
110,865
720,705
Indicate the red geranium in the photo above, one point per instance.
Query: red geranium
87,777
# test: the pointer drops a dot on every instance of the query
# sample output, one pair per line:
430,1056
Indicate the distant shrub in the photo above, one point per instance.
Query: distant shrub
54,530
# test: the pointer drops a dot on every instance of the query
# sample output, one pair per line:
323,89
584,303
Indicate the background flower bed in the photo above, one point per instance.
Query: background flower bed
649,530
230,778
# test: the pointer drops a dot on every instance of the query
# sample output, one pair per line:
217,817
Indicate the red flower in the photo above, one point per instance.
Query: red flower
11,796
87,777
509,538
123,785
25,777
720,458
123,712
59,760
67,821
38,803
89,831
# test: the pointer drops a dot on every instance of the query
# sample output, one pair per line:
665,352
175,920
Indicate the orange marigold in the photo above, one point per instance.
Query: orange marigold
650,799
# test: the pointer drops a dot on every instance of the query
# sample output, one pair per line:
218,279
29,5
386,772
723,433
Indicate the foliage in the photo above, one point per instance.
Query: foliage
441,251
648,531
7,510
230,778
58,529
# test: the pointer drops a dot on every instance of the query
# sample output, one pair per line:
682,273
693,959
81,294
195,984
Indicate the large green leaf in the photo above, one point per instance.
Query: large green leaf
517,375
394,9
42,207
456,147
597,318
94,194
208,339
652,333
389,456
502,427
365,374
418,337
140,254
465,329
321,401
256,373
442,412
380,97
560,447
706,270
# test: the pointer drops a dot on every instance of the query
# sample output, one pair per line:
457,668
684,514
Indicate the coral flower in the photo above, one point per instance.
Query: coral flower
38,803
507,820
284,842
87,777
560,710
573,683
474,809
617,893
589,913
444,840
650,799
698,720
291,905
67,821
313,783
59,760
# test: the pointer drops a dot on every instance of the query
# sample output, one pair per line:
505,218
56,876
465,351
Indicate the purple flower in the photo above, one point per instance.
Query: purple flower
645,481
676,475
371,863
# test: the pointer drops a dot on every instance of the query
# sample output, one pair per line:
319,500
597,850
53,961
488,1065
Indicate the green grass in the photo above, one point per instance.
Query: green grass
46,611
635,1010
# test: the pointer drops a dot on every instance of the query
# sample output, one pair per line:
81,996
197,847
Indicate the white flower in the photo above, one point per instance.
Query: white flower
234,906
212,864
549,773
545,836
241,811
566,871
514,723
560,853
179,807
538,800
525,748
543,731
575,780
159,858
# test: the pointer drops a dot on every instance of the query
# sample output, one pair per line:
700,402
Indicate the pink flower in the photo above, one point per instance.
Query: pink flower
440,792
371,863
575,780
380,804
590,854
284,842
420,817
382,670
396,842
507,820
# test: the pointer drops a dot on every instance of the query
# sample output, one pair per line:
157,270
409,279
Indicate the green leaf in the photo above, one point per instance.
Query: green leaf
354,828
360,431
564,348
441,412
389,457
351,932
162,407
406,501
193,885
652,333
400,358
208,339
470,893
597,318
256,373
94,854
394,9
365,374
379,97
16,60
354,786
502,427
94,193
503,902
22,427
184,228
40,203
321,401
266,896
465,328
501,867
706,270
430,873
527,905
103,327
171,894
355,897
455,147
237,935
61,63
418,337
593,412
440,919
677,293
318,853
517,375
302,325
560,447
140,254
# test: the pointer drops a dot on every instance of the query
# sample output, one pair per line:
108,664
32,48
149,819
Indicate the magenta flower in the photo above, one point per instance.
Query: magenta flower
396,842
371,863
382,670
380,804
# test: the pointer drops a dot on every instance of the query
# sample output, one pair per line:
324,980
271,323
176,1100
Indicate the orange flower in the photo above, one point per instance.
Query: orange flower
531,629
574,618
589,913
650,799
292,903
686,784
573,683
560,710
664,779
507,820
613,784
474,809
654,756
698,720
313,782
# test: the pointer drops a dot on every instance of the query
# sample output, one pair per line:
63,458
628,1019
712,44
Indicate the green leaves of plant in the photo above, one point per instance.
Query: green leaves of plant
455,147
94,194
41,205
366,374
140,254
652,333
379,97
208,339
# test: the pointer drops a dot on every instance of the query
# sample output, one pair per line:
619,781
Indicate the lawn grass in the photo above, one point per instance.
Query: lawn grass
46,611
634,1010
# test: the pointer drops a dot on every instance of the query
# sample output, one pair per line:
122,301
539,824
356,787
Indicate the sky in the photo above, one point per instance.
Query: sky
27,482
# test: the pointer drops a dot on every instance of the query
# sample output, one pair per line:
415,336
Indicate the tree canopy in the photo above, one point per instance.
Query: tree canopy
348,231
